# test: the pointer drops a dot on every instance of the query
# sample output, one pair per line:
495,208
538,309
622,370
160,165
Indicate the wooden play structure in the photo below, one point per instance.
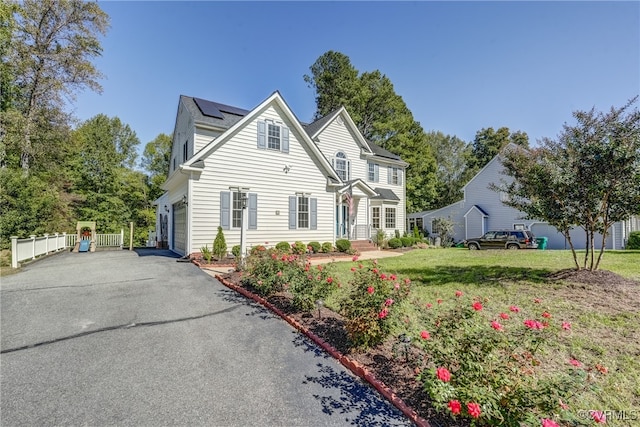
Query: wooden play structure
86,237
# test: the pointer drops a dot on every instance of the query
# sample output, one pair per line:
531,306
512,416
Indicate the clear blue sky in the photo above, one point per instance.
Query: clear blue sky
459,66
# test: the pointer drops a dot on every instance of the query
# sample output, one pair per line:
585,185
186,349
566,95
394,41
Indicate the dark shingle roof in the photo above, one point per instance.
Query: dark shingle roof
230,115
379,151
312,128
385,194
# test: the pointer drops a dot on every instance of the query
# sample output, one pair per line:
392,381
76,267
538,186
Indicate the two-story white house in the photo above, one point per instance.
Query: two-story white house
277,178
482,210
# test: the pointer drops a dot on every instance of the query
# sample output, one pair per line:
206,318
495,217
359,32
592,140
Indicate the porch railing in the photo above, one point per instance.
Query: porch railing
361,232
33,247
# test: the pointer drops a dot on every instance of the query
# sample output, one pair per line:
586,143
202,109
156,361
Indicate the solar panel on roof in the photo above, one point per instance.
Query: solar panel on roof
231,110
208,108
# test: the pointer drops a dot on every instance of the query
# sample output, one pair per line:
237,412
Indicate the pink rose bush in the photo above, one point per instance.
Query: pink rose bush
486,365
369,306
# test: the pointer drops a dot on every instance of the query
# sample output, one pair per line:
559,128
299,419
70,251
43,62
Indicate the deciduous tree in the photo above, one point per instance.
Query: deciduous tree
589,177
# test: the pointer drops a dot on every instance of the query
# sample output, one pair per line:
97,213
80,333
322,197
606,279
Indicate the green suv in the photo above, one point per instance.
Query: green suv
503,239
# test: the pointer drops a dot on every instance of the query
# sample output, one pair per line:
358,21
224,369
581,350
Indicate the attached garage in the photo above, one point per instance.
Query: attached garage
555,239
179,228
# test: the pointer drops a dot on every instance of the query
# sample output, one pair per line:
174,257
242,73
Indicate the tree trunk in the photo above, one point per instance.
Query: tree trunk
573,250
593,250
586,248
604,242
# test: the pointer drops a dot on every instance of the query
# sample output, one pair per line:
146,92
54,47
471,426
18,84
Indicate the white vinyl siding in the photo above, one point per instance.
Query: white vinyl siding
338,138
238,163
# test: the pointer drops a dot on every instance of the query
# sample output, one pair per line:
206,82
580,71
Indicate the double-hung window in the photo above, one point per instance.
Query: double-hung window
395,176
375,217
236,215
373,172
303,212
390,217
273,136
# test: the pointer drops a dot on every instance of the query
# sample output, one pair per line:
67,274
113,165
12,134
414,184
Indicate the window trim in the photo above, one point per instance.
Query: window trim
375,217
299,199
236,207
277,127
388,210
347,165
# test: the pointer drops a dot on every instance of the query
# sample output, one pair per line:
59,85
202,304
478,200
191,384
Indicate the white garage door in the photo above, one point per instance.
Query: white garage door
179,228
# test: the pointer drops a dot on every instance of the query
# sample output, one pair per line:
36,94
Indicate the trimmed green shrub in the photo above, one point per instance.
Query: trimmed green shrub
394,243
283,246
315,247
236,251
219,245
634,240
327,247
343,245
406,241
299,248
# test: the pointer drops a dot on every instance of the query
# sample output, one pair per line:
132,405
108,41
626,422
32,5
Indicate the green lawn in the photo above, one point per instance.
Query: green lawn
605,318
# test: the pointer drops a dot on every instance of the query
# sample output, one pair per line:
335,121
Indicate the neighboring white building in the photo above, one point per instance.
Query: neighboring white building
297,178
482,210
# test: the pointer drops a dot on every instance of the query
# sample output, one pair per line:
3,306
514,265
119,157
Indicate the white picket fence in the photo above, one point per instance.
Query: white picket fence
34,246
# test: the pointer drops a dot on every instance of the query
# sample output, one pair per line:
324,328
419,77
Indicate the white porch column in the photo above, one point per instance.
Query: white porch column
340,217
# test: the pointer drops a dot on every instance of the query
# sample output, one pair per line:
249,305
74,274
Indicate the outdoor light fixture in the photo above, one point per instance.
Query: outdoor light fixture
184,200
319,304
166,208
405,342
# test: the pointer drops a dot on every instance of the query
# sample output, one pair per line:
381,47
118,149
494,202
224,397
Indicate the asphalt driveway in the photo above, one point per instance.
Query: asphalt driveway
126,338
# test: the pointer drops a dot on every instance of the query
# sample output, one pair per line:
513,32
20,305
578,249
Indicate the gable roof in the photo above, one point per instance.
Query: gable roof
315,128
274,99
509,146
479,209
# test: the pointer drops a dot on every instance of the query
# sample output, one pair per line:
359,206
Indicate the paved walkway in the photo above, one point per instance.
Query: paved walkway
125,338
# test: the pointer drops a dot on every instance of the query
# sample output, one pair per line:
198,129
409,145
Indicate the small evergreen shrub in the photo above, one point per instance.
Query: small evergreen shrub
634,240
327,247
283,246
219,245
343,245
394,243
406,241
315,247
299,248
379,238
236,251
207,255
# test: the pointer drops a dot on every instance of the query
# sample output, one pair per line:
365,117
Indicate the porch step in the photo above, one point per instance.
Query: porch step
363,245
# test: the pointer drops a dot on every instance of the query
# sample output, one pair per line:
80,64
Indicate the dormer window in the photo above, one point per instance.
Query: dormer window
342,166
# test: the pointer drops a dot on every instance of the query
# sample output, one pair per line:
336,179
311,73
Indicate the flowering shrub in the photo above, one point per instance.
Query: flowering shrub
485,363
369,303
272,270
